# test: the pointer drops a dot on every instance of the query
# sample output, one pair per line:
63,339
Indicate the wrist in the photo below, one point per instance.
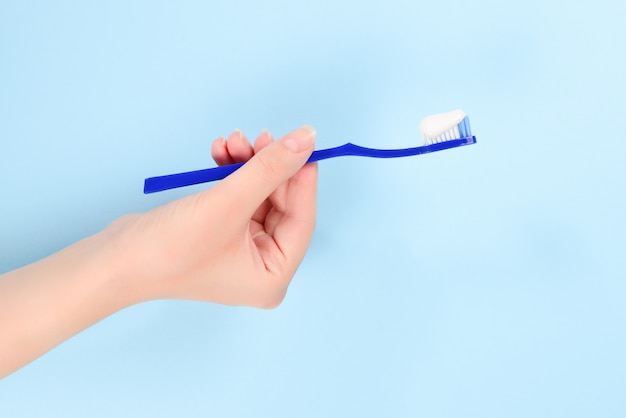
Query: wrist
98,274
131,272
115,276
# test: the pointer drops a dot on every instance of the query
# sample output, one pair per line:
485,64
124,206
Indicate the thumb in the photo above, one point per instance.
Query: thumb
250,185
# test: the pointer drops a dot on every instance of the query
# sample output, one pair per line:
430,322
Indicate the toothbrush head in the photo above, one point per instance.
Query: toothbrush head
444,127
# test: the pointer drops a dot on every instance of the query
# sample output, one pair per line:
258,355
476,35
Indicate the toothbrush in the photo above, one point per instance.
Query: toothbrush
439,132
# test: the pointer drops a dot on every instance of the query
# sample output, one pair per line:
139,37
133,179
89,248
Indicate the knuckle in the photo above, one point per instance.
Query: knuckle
268,168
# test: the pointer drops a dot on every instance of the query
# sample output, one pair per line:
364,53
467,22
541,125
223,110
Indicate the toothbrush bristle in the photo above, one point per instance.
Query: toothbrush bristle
462,130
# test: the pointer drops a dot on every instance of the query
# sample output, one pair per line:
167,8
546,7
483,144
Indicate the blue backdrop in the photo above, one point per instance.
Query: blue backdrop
485,281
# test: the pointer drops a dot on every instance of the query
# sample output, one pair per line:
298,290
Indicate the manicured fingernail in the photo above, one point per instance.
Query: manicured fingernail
238,132
301,140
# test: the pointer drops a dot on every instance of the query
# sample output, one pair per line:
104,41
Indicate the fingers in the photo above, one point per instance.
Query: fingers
275,163
264,139
277,198
239,147
236,150
295,228
219,152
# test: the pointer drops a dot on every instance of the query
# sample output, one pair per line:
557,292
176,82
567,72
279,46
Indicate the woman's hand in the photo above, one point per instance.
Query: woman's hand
238,243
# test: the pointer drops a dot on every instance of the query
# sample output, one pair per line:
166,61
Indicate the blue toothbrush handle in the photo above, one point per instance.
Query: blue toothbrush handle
189,178
172,181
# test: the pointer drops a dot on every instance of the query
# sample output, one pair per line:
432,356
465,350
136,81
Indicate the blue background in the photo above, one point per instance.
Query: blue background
486,281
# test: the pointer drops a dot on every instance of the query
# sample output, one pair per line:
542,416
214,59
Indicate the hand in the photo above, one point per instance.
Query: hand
237,243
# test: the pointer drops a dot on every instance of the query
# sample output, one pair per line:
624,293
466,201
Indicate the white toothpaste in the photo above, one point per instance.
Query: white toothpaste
441,127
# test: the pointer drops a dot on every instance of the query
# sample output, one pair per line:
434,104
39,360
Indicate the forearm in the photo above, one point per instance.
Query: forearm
47,302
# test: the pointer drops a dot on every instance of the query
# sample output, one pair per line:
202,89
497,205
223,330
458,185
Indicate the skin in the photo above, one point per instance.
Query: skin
237,243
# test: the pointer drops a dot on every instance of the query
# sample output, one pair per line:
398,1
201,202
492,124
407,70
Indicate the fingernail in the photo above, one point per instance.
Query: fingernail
301,140
267,133
238,132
